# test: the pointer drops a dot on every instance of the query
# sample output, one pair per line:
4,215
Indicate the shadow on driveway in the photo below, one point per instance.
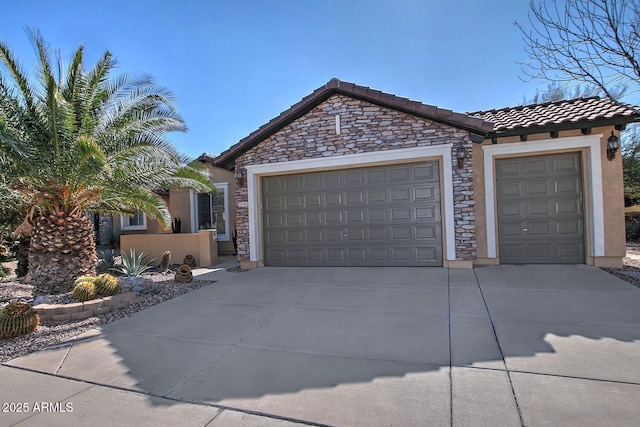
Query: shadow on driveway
373,346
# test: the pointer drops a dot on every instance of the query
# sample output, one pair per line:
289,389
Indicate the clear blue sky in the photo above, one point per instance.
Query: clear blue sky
235,64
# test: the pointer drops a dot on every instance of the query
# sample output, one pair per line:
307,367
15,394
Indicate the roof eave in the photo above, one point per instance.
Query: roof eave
475,126
583,124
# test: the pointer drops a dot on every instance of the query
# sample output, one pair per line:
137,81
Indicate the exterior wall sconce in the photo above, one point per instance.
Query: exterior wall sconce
461,154
240,174
613,144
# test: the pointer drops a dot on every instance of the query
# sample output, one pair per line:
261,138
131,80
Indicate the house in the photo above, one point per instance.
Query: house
190,212
351,176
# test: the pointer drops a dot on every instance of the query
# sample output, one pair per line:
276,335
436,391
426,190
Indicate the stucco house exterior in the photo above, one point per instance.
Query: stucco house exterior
351,176
195,212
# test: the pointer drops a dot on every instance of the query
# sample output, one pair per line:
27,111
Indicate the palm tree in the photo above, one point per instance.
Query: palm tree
83,141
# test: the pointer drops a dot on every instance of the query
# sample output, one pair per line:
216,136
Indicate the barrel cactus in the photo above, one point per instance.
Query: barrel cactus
184,274
84,291
107,285
16,319
164,262
84,279
190,261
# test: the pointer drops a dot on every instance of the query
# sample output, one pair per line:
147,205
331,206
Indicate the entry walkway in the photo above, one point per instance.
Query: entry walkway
506,345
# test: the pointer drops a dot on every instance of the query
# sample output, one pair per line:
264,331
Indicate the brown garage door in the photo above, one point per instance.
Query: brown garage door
540,209
375,216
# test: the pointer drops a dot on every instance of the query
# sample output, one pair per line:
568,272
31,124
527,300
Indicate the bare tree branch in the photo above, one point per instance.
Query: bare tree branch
595,42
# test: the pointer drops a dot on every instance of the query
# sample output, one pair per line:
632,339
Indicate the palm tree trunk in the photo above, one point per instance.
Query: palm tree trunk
62,248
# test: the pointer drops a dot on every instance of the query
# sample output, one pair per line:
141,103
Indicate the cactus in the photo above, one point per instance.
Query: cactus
16,319
84,279
184,274
190,261
84,291
107,285
164,262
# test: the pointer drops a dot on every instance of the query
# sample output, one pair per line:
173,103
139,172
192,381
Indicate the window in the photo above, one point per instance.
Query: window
134,222
211,211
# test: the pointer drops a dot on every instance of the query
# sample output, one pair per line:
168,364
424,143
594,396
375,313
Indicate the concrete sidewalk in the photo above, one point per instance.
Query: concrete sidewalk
507,345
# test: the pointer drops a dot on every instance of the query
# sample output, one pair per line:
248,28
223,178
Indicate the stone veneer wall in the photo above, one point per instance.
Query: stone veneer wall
365,127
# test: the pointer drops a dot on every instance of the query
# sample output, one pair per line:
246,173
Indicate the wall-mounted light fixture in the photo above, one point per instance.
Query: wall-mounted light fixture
613,144
240,174
461,154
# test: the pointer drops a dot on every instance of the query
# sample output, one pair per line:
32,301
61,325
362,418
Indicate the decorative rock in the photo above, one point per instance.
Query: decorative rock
135,284
184,274
42,299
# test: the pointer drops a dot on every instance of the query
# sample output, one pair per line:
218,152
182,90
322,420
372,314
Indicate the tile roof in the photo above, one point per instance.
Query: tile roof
559,115
477,126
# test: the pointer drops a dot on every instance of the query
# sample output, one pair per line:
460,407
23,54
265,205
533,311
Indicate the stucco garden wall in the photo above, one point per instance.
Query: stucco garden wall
364,127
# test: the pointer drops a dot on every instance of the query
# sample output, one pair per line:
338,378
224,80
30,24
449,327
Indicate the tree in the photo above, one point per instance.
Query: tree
557,92
584,41
76,141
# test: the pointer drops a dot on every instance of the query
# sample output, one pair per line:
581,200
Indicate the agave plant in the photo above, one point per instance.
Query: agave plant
134,265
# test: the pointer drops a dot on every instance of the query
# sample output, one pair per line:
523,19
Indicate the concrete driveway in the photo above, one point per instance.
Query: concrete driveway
507,345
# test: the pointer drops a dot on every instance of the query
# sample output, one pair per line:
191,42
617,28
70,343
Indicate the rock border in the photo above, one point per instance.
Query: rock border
83,310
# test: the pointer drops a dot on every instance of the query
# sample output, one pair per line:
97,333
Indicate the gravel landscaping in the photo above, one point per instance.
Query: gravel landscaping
162,288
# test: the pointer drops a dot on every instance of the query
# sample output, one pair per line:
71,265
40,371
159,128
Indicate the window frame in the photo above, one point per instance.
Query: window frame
126,226
223,186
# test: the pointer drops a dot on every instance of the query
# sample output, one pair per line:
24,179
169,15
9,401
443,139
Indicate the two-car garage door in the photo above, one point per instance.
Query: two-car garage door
374,216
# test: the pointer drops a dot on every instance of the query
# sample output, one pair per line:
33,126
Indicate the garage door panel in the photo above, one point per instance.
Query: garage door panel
540,209
274,202
427,254
381,215
402,233
535,166
427,232
428,213
275,219
567,185
314,218
294,218
377,196
377,215
355,197
312,182
426,172
333,199
293,183
334,217
354,177
402,214
376,176
312,200
509,189
402,254
425,193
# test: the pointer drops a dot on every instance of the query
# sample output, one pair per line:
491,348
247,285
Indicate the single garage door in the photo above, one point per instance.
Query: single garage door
540,209
374,216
